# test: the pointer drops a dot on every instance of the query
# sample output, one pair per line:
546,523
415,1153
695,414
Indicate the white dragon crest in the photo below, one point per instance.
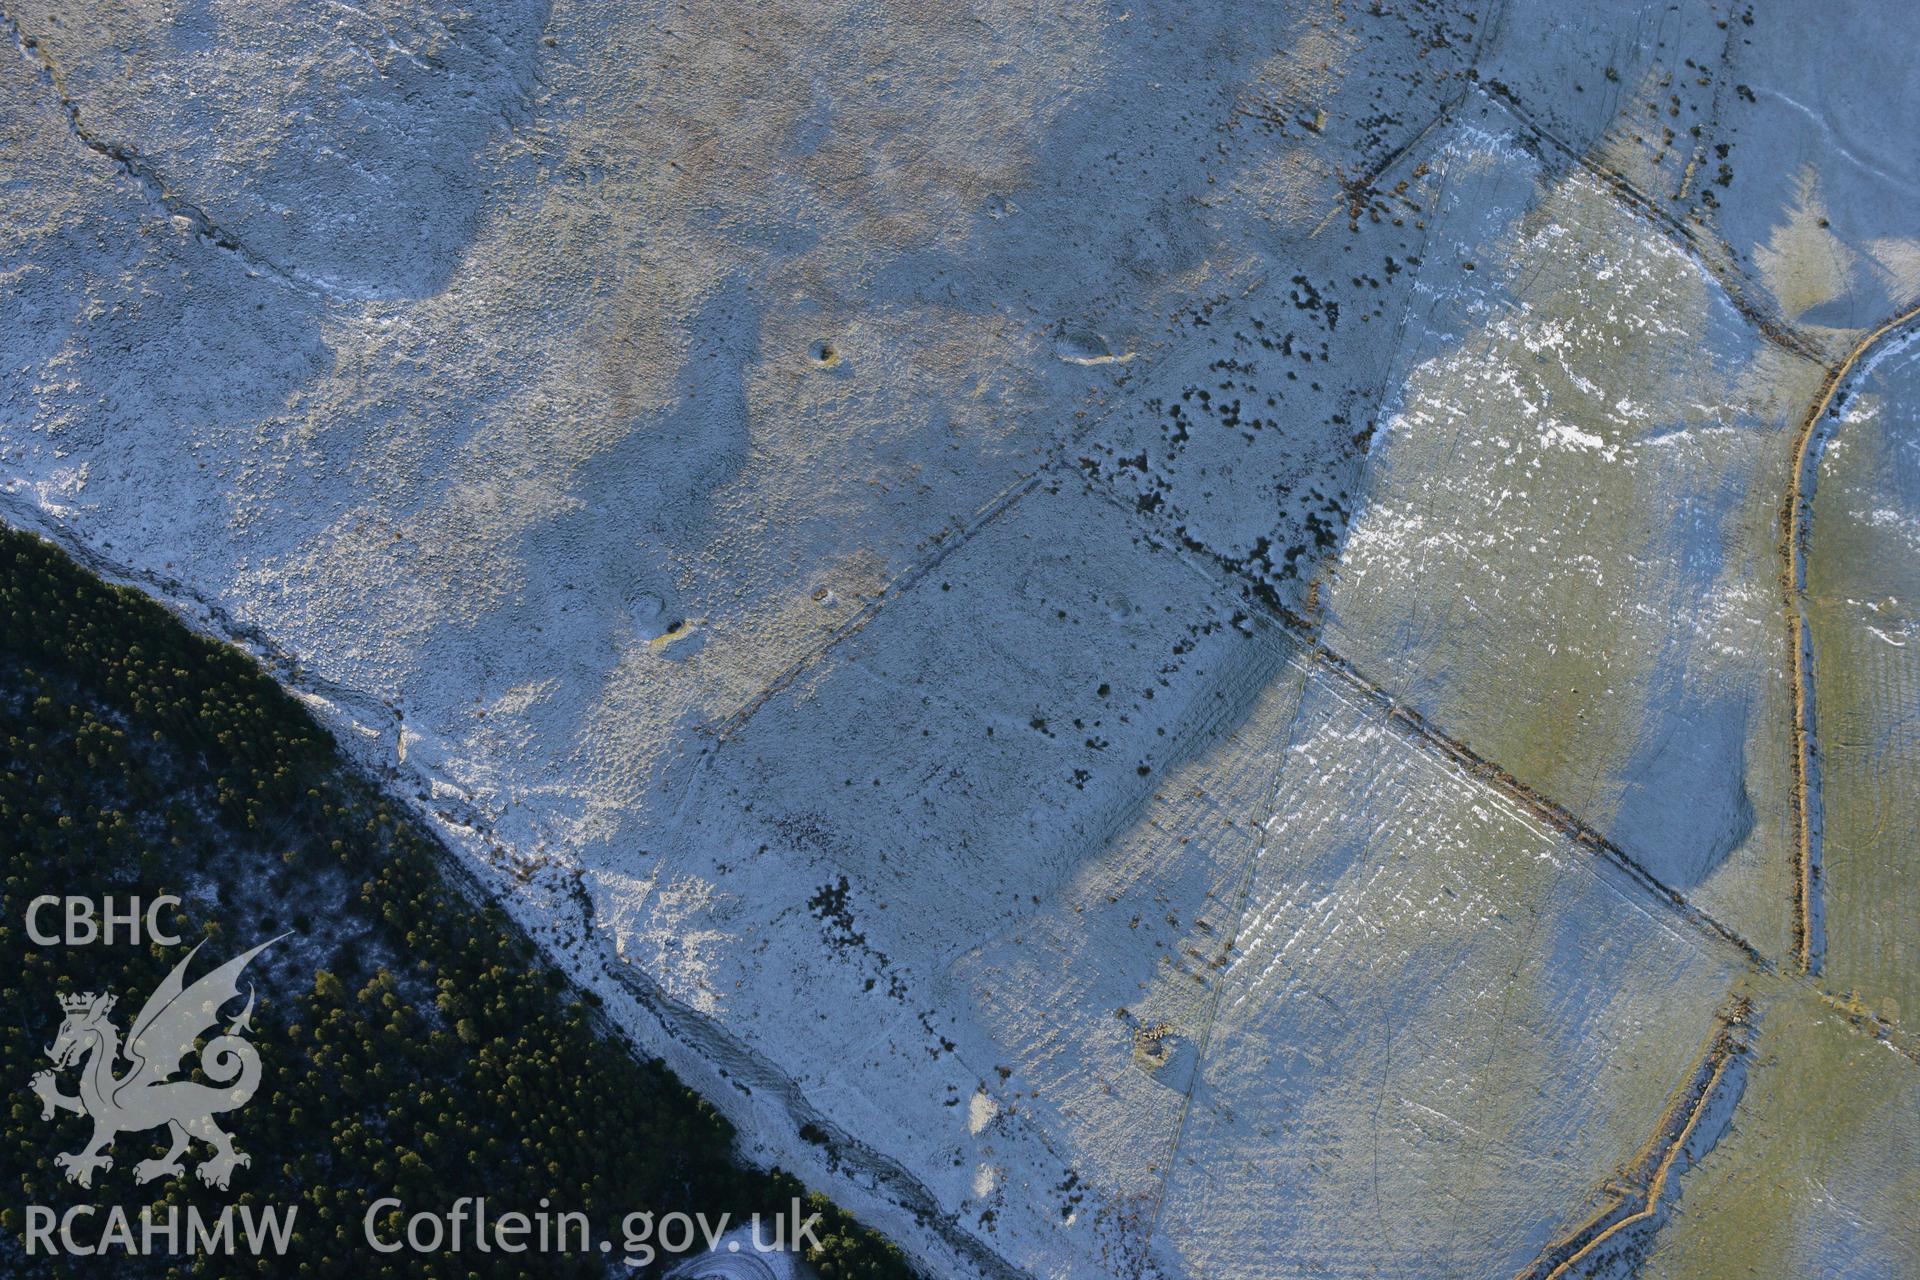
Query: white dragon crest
174,1017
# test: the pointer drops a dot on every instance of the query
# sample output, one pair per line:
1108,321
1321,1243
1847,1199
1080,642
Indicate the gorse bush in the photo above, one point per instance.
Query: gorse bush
414,1044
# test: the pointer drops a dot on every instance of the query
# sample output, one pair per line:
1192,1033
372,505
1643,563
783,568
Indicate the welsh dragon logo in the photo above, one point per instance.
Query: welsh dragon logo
146,1096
